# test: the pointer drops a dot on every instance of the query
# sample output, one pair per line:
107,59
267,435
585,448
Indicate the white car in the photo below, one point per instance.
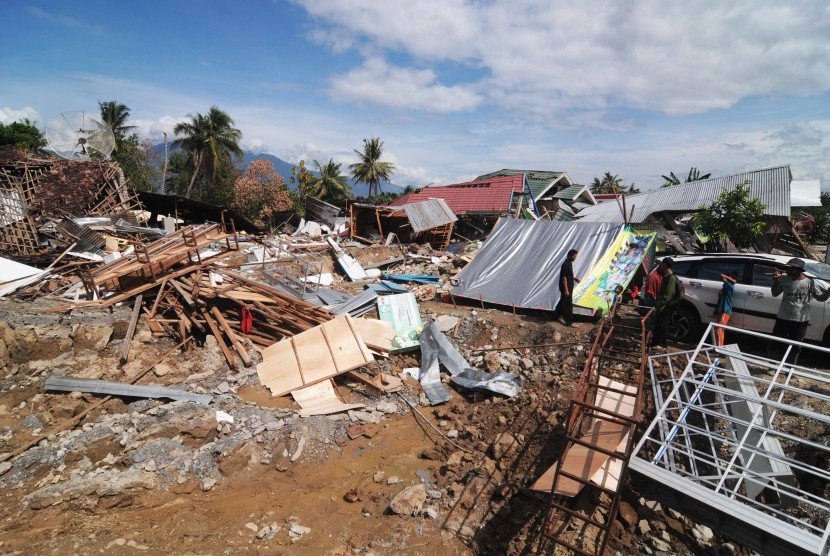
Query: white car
753,307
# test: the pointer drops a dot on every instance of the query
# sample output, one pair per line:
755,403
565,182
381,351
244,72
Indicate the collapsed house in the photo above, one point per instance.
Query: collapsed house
667,210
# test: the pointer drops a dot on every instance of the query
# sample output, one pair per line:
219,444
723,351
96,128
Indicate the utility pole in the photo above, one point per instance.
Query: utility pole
164,171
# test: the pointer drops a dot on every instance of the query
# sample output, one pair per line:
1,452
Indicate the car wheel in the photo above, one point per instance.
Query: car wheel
684,324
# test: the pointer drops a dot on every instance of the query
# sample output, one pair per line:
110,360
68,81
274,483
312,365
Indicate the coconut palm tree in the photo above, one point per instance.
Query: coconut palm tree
115,115
208,139
609,183
694,175
330,183
370,169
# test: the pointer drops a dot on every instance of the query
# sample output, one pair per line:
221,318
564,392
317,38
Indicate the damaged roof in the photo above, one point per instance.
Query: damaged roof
770,185
488,196
539,182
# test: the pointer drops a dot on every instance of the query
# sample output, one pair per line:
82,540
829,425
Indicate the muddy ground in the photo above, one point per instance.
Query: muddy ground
159,476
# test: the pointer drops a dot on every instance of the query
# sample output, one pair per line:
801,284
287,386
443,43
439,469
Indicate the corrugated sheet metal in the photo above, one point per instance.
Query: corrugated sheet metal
429,214
771,186
538,181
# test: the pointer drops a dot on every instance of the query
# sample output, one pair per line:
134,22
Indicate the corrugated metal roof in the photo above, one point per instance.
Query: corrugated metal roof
771,186
429,214
488,196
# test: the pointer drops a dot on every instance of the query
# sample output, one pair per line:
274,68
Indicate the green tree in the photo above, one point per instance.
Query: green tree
607,184
301,179
736,215
139,162
23,134
210,141
694,175
370,169
329,183
115,115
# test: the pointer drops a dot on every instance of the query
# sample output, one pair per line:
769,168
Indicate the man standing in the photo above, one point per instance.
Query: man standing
565,307
663,306
723,308
651,289
793,316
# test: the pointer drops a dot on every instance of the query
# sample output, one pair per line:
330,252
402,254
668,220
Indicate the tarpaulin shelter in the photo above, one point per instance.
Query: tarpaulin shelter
519,263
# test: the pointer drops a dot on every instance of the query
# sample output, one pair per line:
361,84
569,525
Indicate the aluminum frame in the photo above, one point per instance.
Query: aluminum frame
731,431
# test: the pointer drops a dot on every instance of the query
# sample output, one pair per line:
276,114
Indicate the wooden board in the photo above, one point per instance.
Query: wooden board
319,353
321,399
376,334
622,404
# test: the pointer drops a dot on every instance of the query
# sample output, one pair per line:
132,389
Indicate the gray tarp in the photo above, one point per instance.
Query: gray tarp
435,349
519,263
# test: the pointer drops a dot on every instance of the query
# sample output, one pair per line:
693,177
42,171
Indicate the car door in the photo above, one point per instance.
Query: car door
704,288
761,307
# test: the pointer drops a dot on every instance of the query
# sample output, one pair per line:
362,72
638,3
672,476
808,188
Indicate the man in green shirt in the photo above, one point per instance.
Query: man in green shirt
798,290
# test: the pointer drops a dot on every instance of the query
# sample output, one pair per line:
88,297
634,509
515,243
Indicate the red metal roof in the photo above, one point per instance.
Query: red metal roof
489,195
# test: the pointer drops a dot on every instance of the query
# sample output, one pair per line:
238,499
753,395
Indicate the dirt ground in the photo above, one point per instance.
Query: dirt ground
137,475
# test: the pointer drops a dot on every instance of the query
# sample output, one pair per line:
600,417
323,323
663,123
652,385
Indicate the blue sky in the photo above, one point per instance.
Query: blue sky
454,88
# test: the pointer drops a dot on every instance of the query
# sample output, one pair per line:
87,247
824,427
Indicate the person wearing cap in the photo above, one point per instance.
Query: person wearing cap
798,290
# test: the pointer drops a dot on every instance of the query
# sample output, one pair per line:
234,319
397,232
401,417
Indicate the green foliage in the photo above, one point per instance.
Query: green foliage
22,134
330,184
139,163
825,199
735,215
694,175
370,169
115,115
608,184
211,142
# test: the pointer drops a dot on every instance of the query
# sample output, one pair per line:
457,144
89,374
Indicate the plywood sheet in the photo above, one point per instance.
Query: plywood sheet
622,404
376,334
583,461
319,353
321,399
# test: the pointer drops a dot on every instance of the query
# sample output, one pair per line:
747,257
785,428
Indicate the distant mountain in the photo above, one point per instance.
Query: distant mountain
283,168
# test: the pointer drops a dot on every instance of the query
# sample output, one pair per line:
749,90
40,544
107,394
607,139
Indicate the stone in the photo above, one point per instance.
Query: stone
386,407
627,514
378,476
296,530
94,337
4,467
644,527
393,480
143,336
504,444
661,545
162,369
409,501
445,323
702,533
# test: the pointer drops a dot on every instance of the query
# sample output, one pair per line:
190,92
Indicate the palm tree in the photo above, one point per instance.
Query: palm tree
208,138
610,183
694,175
115,115
370,169
331,183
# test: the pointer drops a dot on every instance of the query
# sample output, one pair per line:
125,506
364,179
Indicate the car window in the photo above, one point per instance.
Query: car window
711,270
682,268
817,269
762,274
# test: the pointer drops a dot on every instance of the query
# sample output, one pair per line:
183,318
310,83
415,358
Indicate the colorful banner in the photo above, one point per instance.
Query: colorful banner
615,269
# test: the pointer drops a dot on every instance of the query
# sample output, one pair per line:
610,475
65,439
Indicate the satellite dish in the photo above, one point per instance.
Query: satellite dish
78,135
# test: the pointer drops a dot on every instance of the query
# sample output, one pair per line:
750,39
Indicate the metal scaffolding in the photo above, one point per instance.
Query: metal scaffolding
744,439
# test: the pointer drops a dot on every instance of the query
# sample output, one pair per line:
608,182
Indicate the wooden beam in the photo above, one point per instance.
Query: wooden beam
125,347
219,340
240,349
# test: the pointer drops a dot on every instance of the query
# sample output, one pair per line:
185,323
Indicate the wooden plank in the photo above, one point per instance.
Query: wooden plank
376,334
240,349
321,399
125,347
583,461
617,402
279,370
221,341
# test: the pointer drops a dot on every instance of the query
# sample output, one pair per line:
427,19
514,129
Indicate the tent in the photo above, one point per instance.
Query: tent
519,263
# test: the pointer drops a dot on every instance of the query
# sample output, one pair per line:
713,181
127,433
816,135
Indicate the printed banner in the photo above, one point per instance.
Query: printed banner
615,269
402,312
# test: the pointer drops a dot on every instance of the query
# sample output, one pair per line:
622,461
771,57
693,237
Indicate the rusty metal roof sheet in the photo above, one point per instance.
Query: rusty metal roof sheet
770,185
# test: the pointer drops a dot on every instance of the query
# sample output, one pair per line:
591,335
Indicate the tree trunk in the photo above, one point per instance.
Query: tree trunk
197,163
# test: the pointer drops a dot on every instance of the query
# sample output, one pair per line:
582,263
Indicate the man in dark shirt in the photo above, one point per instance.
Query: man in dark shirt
565,307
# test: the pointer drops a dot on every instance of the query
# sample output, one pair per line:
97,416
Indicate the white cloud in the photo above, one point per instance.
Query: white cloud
543,58
66,21
416,89
10,115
